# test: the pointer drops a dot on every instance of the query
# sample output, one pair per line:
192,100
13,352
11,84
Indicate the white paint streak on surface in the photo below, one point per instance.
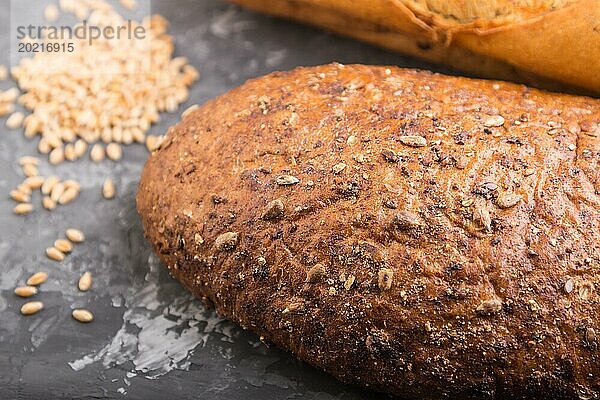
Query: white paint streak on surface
156,336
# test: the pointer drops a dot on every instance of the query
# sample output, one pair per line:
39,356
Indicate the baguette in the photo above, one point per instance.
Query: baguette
427,236
540,42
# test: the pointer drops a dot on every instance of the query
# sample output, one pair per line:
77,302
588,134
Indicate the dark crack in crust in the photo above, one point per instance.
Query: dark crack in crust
306,208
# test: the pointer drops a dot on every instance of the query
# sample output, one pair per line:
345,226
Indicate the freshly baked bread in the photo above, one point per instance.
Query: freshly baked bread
528,41
427,236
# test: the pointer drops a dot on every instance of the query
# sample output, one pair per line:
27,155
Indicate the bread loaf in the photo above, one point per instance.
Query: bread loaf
427,236
519,40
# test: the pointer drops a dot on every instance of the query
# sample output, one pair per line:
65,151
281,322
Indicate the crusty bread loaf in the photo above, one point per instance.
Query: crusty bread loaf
519,40
428,236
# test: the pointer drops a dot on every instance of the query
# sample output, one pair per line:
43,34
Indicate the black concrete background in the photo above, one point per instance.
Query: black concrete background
228,45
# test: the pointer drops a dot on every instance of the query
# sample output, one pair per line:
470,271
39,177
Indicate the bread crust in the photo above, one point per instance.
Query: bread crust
427,236
530,42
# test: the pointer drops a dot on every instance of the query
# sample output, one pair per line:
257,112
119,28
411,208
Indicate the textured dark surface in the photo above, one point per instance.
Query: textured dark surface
140,311
477,306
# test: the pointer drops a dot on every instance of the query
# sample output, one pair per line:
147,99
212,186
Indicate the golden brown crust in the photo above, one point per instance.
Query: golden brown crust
520,40
427,236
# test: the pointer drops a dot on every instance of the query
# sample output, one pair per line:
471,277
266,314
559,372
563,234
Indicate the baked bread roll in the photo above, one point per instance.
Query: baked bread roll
519,40
427,236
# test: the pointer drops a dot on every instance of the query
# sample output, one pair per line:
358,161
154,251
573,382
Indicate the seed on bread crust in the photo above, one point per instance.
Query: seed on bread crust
493,121
349,282
286,180
508,200
490,306
226,241
413,140
384,278
274,210
315,273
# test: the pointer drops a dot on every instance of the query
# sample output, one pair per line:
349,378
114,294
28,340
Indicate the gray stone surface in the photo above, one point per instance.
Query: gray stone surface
150,339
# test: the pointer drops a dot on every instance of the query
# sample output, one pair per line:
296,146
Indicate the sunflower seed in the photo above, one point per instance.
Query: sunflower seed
49,184
114,151
54,254
285,180
97,153
63,245
82,315
384,278
75,235
68,196
19,196
85,282
48,203
37,279
26,291
413,140
31,307
108,189
23,208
